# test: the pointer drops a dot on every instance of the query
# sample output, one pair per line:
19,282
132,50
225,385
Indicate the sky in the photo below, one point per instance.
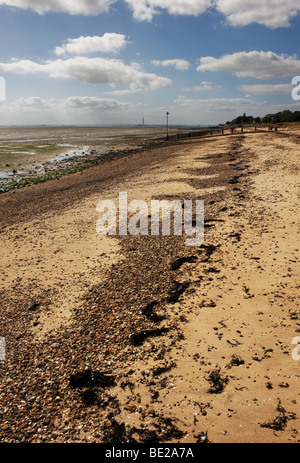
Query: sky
103,62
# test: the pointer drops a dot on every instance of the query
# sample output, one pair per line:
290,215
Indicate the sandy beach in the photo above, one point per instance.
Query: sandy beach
123,339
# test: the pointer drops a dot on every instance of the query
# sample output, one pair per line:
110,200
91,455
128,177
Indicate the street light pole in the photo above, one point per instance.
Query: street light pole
167,126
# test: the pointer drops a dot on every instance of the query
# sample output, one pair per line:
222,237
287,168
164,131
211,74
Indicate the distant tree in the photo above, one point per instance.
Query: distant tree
267,119
243,119
276,118
280,117
286,116
296,116
238,120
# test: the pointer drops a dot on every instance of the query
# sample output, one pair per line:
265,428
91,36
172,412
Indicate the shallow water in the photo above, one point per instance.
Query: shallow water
78,141
79,135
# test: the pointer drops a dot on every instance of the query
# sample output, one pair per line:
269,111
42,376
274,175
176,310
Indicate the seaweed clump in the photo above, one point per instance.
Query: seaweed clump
280,421
217,382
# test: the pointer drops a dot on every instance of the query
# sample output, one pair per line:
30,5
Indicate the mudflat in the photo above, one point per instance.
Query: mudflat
34,154
121,339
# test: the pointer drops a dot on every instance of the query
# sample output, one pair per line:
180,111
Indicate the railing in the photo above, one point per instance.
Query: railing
224,130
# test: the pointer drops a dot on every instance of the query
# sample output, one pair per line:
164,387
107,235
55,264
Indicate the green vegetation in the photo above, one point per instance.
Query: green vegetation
244,120
20,148
282,117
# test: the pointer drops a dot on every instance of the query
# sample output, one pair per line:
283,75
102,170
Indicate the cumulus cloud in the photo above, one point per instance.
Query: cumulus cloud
267,88
146,9
271,13
90,71
31,103
108,43
93,103
257,64
142,9
73,7
180,64
73,103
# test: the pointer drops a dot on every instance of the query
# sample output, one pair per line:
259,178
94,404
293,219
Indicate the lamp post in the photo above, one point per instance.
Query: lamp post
167,126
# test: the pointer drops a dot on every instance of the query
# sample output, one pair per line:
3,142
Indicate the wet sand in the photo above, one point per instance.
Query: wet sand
140,338
31,152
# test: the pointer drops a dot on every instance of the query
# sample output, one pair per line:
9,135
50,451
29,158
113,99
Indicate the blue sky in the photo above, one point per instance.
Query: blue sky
116,62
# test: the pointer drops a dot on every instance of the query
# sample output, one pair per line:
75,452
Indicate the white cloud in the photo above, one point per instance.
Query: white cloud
204,86
133,88
31,103
73,7
271,13
180,64
257,64
212,104
215,110
182,7
267,88
108,43
72,110
142,9
146,9
35,103
92,103
90,71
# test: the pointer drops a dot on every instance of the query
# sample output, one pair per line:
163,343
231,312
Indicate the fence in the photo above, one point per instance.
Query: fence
223,130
